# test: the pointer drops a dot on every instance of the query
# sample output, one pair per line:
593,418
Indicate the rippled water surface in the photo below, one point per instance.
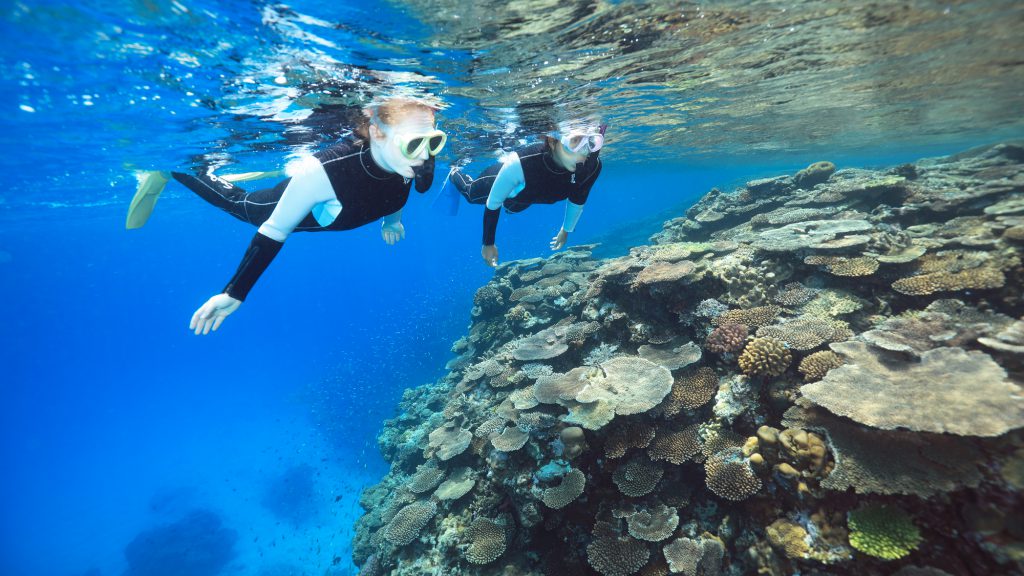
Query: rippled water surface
678,81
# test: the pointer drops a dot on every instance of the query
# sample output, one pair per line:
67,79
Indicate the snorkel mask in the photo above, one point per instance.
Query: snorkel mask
583,140
412,145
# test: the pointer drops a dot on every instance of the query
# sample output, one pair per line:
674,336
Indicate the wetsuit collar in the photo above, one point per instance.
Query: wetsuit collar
551,163
370,165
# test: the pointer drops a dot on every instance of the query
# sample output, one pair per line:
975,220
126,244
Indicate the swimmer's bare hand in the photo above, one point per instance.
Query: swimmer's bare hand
211,314
490,254
392,233
559,240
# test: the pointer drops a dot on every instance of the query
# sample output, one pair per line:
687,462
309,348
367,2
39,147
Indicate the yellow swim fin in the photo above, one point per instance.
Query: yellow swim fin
151,184
246,176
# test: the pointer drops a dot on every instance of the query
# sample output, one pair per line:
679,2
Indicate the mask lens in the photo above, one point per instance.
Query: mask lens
412,147
436,142
596,142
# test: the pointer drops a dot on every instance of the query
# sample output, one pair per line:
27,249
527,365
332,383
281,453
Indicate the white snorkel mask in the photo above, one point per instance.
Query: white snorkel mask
579,138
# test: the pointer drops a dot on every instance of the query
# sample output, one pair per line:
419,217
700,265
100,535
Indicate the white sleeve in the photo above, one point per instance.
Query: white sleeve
572,215
509,181
309,186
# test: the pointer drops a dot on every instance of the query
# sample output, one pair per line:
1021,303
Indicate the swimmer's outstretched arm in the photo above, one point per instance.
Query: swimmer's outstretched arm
309,186
509,181
573,212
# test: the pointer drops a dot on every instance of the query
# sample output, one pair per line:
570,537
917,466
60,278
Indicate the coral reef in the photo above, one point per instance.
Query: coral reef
862,354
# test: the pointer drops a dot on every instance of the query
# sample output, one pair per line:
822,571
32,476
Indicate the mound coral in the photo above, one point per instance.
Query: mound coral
726,338
814,174
765,357
816,365
883,532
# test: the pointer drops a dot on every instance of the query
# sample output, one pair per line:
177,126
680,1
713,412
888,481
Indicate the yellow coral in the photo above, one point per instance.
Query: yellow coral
765,357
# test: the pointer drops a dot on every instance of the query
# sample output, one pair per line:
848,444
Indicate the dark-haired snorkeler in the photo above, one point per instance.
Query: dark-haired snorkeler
562,167
352,183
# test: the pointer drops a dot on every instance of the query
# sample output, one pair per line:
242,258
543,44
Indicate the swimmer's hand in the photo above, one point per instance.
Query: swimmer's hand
392,233
210,315
559,240
490,254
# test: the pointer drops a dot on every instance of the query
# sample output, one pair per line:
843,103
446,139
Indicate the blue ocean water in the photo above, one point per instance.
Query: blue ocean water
117,421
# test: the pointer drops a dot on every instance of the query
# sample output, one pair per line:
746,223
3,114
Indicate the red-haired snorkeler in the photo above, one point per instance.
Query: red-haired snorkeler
564,166
359,180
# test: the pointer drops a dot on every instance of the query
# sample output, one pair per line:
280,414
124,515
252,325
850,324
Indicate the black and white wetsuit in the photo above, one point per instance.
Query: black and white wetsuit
528,176
339,188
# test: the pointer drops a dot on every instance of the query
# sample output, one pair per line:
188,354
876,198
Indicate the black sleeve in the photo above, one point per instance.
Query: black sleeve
580,195
259,255
490,225
424,175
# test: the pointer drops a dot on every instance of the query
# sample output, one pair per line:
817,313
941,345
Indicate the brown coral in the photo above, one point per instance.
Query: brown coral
511,439
815,366
675,446
690,391
695,557
842,266
978,279
638,476
626,435
570,489
427,477
407,524
872,461
727,338
652,523
927,396
765,357
487,541
807,332
449,440
754,317
729,475
614,555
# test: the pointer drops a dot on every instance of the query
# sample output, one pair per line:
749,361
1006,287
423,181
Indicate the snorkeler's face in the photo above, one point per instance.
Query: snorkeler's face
406,144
